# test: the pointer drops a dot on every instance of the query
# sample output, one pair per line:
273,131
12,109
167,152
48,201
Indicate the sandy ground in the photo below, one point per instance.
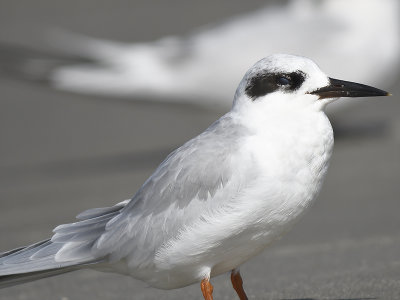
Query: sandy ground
62,153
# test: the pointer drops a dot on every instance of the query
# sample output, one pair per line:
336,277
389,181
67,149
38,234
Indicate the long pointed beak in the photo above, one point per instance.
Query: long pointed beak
340,88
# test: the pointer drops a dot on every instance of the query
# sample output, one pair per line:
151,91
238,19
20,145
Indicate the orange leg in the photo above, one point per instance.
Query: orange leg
207,289
237,284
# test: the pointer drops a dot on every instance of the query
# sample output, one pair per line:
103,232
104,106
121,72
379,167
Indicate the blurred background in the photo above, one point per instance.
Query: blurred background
94,94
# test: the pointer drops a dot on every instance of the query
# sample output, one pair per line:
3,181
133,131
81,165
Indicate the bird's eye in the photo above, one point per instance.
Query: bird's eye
283,81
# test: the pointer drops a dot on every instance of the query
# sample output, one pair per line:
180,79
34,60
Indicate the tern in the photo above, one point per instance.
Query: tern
217,56
219,199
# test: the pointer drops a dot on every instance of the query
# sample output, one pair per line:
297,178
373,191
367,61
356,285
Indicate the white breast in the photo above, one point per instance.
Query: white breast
292,170
286,169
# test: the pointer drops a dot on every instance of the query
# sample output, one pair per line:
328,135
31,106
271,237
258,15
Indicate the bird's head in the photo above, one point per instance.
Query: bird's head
285,81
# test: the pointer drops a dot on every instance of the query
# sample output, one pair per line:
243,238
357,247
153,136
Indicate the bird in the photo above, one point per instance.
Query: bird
216,201
217,55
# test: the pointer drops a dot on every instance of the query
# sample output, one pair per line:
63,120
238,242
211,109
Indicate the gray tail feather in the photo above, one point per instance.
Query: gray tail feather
20,265
15,279
39,260
17,265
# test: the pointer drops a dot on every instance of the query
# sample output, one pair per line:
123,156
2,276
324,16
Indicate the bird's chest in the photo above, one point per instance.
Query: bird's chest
277,177
291,166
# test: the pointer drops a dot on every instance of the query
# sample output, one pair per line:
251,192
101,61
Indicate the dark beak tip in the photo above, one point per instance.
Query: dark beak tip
384,94
340,88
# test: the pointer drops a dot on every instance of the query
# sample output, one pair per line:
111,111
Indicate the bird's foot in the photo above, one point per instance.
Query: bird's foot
237,283
207,289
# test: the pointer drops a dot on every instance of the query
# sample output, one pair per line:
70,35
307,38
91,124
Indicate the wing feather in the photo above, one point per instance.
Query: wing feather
188,182
183,186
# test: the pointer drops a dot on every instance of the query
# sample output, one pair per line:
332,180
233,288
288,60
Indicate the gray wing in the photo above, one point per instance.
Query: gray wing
174,196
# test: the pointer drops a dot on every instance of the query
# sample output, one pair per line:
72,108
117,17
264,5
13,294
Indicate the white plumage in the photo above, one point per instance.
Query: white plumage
219,199
204,67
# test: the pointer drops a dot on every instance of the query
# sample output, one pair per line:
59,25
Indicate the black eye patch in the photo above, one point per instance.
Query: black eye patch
296,80
265,83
